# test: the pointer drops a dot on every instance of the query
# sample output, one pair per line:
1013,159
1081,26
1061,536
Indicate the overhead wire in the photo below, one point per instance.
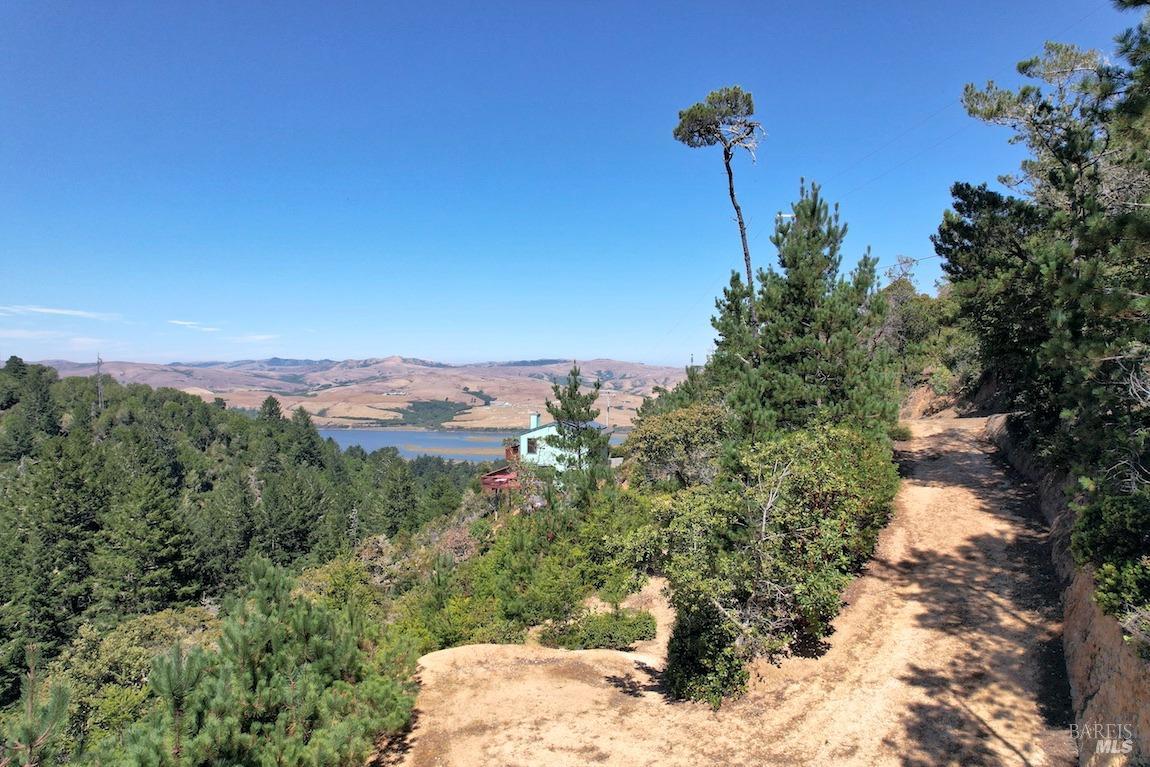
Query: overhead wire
888,143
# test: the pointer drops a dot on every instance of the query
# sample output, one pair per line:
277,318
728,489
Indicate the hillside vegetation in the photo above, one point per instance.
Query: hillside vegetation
1055,285
186,583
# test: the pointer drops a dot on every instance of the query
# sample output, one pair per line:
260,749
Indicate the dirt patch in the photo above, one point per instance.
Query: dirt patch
947,653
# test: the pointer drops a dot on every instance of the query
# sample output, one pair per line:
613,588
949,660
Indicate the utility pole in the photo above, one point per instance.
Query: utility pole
99,384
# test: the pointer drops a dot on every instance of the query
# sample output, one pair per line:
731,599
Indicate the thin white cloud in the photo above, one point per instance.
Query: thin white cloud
254,338
21,309
191,325
23,333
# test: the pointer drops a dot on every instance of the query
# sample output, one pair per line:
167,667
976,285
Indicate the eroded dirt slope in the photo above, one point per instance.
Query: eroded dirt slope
948,652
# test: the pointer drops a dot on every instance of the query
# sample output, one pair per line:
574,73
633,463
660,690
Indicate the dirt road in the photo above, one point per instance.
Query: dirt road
948,652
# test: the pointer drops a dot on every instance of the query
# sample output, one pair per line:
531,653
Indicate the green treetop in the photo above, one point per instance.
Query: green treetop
817,355
725,118
574,412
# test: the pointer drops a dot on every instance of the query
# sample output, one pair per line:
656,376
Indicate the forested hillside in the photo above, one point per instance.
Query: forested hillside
184,583
133,518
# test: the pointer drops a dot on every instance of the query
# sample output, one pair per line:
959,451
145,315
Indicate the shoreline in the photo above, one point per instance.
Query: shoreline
444,430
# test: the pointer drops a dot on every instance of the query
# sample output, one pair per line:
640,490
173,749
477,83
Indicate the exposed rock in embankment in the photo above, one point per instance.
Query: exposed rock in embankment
1109,683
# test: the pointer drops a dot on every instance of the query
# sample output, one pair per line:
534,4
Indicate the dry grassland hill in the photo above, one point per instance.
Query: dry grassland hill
396,391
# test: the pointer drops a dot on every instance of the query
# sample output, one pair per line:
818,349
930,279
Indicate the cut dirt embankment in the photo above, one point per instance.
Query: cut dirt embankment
947,653
1109,683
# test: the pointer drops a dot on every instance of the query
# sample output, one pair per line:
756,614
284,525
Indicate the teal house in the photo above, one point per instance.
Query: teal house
536,448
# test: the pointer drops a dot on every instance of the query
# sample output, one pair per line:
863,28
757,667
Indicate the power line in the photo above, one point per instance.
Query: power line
908,159
894,139
905,161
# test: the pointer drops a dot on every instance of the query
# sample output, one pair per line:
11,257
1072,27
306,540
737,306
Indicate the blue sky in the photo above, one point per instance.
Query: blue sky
461,182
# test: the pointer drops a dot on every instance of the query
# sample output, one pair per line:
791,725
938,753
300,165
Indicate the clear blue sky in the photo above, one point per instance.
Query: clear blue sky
461,181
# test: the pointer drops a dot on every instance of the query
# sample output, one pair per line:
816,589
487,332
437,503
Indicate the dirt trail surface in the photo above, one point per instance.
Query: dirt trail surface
947,653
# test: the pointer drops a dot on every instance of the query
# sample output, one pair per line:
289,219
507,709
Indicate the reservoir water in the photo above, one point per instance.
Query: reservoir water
461,445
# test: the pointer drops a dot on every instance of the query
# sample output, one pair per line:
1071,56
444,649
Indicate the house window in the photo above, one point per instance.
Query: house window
532,446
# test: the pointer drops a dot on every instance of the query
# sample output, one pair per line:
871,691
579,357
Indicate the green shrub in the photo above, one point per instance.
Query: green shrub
942,380
679,447
757,562
1113,533
900,432
107,671
615,630
704,660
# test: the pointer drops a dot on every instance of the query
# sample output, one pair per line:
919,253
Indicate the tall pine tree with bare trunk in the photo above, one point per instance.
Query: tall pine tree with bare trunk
724,118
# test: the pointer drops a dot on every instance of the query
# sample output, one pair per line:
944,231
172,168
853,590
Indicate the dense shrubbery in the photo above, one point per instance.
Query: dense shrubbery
107,672
614,630
929,343
757,561
678,448
293,682
1114,533
536,568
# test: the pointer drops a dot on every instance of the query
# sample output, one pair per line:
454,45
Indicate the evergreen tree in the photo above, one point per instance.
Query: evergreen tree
30,737
398,504
270,410
36,401
817,355
303,443
15,367
724,118
145,555
17,436
294,683
582,440
68,496
173,679
222,529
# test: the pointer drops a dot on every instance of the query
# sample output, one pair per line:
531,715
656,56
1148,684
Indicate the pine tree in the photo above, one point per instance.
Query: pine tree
270,410
724,118
174,678
582,441
291,684
817,355
31,735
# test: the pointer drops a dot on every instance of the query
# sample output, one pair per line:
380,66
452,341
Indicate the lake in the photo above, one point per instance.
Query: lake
461,445
411,443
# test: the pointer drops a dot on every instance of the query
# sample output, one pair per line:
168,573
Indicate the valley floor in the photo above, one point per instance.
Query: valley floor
948,653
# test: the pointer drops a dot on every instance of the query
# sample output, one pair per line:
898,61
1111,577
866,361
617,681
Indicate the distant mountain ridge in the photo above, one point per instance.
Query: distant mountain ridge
377,391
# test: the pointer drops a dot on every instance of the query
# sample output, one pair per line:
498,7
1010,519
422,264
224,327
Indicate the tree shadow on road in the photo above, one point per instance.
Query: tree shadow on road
392,750
999,595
